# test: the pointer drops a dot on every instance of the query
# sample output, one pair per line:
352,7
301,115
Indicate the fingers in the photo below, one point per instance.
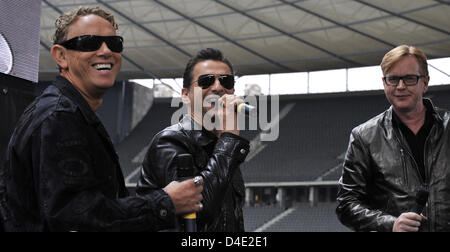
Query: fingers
229,101
198,207
408,222
409,225
186,195
195,201
228,120
198,180
194,190
413,216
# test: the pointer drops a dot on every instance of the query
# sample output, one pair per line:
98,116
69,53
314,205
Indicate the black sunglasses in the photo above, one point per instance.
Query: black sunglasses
206,80
90,43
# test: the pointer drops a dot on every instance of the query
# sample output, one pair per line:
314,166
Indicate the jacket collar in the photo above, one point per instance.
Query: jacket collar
196,132
430,106
426,102
74,95
68,90
389,120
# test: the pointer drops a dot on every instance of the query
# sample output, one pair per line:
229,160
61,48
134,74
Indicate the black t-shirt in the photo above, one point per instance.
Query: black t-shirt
417,142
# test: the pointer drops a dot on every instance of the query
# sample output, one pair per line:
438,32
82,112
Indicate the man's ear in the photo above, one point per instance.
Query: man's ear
426,80
185,95
59,53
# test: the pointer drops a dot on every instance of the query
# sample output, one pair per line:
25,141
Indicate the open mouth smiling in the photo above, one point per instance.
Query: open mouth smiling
103,66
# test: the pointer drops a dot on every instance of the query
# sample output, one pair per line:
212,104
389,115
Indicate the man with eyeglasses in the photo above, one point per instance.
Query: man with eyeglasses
397,166
213,153
62,172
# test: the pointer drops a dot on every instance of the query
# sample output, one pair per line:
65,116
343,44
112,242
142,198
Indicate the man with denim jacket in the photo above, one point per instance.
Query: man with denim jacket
398,154
62,172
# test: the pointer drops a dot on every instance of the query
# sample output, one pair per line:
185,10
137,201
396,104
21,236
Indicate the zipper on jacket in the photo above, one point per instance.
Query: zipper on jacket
425,161
428,177
402,150
405,170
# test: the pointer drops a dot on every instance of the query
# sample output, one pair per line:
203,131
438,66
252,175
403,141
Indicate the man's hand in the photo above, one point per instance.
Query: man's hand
227,114
186,196
408,222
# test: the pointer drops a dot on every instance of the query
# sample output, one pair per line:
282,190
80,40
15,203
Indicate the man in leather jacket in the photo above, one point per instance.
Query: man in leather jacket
215,154
61,171
398,153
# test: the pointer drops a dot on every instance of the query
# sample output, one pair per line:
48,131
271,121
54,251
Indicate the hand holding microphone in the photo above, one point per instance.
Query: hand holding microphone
229,107
186,195
186,171
242,108
227,115
411,221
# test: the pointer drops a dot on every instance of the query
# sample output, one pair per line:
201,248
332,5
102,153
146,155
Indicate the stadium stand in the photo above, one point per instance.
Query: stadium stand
304,218
311,137
255,217
315,134
132,150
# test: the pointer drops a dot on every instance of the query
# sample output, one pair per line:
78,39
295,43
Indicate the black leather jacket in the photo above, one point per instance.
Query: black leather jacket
381,178
217,160
62,173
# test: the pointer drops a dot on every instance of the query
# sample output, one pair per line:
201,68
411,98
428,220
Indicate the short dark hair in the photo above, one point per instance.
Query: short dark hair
202,55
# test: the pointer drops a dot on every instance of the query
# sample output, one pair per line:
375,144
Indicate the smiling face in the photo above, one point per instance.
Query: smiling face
92,73
209,95
405,99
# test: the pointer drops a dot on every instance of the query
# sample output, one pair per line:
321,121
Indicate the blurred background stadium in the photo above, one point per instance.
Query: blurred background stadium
320,57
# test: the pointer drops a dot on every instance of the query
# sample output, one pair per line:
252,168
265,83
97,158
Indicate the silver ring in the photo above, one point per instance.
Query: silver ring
198,180
200,205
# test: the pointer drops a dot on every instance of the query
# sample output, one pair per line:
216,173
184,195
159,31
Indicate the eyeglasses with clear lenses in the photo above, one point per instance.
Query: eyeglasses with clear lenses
408,80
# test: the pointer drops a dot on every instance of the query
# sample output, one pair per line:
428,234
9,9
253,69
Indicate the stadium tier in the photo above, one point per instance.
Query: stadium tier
300,218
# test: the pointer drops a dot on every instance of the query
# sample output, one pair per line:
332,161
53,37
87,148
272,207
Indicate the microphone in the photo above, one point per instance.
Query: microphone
185,171
421,201
243,109
247,110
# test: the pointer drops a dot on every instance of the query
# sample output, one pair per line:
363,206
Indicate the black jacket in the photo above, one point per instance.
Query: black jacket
380,179
62,173
217,160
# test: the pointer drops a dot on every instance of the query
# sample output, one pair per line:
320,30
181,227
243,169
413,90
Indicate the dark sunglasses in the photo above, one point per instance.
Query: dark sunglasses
206,80
90,43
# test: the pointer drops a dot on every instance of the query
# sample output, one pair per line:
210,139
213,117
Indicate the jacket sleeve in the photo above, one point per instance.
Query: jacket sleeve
160,166
353,199
73,192
230,151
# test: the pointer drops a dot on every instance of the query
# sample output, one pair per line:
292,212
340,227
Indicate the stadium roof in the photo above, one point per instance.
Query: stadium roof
261,36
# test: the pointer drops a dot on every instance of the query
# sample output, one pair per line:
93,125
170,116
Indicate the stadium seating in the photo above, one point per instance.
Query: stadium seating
255,217
315,134
305,218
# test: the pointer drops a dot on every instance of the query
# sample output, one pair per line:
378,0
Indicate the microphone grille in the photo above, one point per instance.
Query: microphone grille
422,197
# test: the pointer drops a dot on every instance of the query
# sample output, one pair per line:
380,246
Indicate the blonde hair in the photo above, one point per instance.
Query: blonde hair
398,53
65,20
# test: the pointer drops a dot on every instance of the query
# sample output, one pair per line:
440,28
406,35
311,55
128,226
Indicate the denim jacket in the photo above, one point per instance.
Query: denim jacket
62,173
